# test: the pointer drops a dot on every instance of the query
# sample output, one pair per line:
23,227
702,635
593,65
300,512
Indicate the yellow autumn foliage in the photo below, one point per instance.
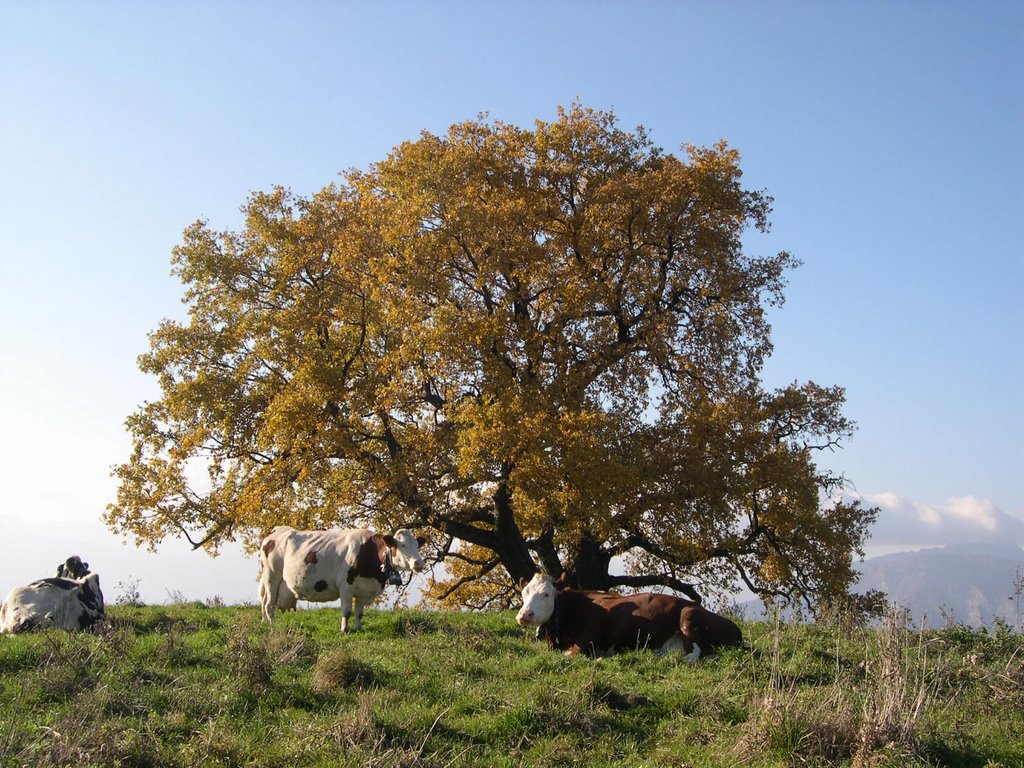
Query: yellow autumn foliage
541,347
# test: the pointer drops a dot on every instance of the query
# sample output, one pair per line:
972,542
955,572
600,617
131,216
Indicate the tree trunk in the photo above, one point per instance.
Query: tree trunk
589,569
546,551
510,546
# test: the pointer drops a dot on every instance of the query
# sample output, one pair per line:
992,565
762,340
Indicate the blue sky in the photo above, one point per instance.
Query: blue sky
889,135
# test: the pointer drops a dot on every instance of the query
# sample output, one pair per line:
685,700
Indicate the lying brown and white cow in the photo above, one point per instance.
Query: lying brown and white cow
320,566
71,601
601,623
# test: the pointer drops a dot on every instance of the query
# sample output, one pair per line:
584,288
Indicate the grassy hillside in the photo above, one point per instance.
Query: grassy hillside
190,686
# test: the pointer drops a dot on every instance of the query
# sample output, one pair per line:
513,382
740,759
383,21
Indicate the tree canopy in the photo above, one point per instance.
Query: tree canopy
540,347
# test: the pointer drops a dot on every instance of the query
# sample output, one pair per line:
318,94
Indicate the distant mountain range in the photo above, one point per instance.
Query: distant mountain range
967,583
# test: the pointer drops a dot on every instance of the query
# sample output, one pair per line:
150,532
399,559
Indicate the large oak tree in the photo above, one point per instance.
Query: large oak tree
542,345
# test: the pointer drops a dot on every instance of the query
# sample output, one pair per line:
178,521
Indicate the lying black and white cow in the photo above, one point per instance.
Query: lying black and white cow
601,623
72,600
321,566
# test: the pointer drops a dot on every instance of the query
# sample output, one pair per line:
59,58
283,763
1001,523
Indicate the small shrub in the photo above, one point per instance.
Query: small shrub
128,593
176,597
727,606
853,611
616,700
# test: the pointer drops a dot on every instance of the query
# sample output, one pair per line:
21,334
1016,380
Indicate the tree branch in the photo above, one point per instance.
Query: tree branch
487,568
658,580
211,534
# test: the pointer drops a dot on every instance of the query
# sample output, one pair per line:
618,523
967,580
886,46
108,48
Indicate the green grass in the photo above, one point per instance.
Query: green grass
196,686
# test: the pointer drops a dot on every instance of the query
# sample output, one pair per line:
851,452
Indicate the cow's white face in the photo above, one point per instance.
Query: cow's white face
538,601
405,554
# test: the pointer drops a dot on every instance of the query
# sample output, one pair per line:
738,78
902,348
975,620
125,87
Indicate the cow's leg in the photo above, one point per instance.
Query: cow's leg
270,587
346,606
688,645
674,644
263,598
693,655
361,604
690,636
346,612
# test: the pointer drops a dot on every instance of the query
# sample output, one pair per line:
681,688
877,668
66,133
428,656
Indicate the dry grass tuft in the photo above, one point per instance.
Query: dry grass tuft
249,659
68,667
897,690
360,728
1006,685
337,670
785,722
360,733
290,646
868,723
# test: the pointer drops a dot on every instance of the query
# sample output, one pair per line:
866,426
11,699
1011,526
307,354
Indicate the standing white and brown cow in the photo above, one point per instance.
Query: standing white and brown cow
353,564
601,623
72,600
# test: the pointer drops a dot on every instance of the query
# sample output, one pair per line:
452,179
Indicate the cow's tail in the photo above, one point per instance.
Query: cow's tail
266,589
264,565
263,550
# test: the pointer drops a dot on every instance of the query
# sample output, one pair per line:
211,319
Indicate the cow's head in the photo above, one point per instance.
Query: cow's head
91,598
72,568
405,550
539,595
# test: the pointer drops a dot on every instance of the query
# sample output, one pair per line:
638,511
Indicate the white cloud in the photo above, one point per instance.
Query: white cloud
977,511
907,524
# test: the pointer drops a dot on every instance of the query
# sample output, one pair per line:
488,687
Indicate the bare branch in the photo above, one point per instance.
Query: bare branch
217,530
487,568
658,580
